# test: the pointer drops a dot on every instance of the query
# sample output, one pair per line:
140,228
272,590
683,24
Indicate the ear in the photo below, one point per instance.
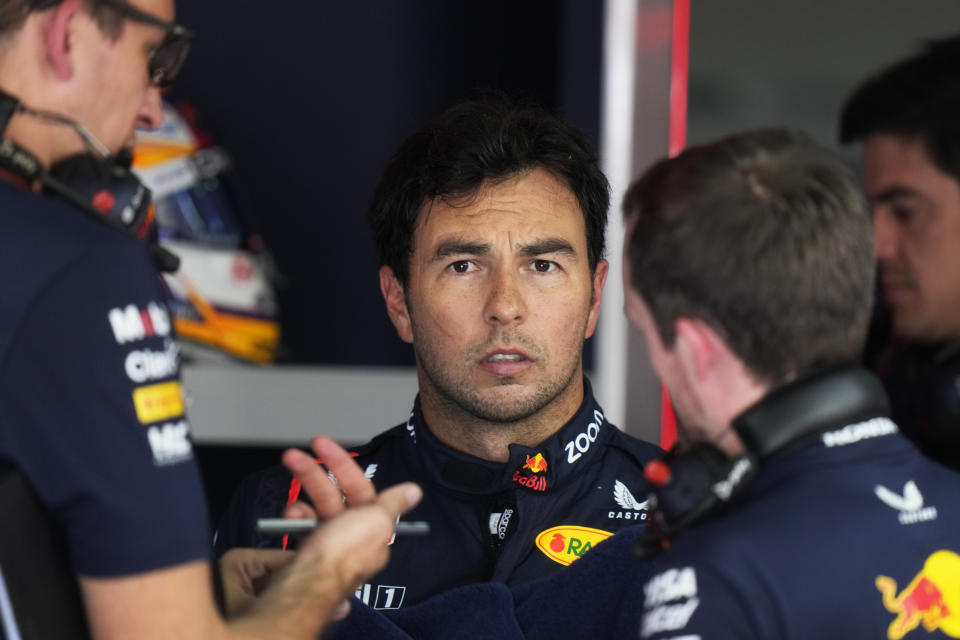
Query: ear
599,278
396,301
57,37
699,349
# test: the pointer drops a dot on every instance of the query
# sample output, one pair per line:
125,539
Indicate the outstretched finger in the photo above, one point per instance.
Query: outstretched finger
354,484
324,494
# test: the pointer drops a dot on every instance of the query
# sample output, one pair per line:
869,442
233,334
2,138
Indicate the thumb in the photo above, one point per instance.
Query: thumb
399,499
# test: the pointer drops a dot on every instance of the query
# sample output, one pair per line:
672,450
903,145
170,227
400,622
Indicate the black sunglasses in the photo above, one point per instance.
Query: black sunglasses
168,58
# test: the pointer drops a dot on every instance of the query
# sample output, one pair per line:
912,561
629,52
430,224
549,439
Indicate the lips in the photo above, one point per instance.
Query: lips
505,362
894,288
895,282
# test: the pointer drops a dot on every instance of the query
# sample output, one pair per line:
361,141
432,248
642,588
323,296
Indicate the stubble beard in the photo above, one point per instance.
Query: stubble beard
453,389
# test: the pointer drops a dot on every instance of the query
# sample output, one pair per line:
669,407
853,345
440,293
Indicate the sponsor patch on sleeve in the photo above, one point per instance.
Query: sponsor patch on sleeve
157,402
132,323
567,543
170,443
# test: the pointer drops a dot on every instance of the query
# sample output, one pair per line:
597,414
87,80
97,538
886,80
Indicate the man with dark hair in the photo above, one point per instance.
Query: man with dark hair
906,119
100,437
749,269
489,223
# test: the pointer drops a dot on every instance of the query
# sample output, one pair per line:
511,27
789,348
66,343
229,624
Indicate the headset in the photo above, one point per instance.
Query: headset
103,187
690,485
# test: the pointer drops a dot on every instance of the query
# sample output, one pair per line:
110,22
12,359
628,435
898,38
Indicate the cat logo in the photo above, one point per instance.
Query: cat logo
566,543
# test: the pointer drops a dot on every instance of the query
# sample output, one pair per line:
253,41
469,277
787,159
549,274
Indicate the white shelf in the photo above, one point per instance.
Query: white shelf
282,405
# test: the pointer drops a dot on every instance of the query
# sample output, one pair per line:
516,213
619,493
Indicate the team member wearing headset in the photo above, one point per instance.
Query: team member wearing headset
92,413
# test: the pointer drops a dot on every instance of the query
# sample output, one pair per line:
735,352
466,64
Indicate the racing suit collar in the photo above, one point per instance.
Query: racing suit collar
531,469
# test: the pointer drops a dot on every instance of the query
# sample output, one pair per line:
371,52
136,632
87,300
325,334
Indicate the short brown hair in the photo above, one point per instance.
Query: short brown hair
766,237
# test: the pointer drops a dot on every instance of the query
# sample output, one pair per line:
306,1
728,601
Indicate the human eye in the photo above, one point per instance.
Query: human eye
462,266
903,214
544,266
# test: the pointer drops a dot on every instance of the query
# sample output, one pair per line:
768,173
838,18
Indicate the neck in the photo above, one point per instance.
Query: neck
488,439
738,392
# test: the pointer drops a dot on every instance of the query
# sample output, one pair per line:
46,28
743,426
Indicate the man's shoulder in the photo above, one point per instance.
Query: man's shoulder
385,443
44,239
879,497
635,449
38,227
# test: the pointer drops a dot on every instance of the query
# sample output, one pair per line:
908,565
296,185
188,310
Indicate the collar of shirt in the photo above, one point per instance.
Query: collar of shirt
534,469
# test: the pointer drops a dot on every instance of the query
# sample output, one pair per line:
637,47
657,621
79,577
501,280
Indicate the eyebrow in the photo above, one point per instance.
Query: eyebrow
547,245
895,193
460,247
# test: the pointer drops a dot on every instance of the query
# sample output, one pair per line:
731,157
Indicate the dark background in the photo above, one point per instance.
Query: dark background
311,98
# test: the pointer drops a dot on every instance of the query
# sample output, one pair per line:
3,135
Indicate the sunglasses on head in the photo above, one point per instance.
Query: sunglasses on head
167,59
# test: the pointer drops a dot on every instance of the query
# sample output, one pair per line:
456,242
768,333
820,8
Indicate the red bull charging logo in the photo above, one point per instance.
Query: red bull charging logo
536,464
932,598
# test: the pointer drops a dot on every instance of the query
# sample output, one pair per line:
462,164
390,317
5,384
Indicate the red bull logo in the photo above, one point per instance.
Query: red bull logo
536,464
566,543
537,483
932,598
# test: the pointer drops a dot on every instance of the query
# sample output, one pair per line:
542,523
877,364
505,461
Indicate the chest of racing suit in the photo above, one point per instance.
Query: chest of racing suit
507,522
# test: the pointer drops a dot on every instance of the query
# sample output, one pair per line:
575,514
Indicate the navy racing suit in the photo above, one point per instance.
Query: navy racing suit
507,522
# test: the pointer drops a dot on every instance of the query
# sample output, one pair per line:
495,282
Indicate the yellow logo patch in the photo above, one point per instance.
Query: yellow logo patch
158,402
566,543
931,599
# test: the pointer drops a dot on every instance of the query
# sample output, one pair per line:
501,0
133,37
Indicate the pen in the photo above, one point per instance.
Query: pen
283,526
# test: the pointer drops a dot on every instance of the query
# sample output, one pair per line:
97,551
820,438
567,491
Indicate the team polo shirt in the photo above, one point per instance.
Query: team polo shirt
91,407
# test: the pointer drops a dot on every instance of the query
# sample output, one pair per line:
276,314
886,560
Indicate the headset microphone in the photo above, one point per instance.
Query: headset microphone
103,187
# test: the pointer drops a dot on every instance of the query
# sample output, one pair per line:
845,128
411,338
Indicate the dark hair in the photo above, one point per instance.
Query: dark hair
764,236
917,98
488,139
14,12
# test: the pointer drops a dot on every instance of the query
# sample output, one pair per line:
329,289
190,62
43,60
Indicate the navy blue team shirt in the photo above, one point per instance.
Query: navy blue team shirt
91,408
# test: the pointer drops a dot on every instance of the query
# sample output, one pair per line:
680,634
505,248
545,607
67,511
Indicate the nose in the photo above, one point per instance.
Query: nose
150,115
886,235
505,300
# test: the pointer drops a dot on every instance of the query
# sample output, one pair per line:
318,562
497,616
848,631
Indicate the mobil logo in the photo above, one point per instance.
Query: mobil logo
932,598
566,543
130,323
